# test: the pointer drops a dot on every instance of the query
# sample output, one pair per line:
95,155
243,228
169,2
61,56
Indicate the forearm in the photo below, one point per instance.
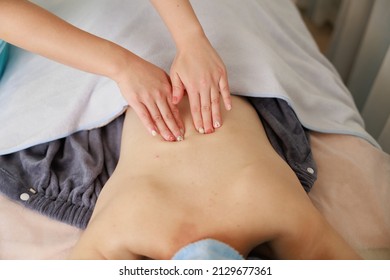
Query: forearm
146,87
180,18
30,27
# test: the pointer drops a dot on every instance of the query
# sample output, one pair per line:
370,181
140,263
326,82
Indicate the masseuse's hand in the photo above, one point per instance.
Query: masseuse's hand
146,87
198,70
148,91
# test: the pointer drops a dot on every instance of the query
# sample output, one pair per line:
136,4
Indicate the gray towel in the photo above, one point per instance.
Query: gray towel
62,179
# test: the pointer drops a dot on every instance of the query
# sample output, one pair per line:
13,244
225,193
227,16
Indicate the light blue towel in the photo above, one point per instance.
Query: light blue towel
207,249
3,56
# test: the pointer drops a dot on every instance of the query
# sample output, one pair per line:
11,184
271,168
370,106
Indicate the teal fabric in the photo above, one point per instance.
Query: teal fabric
3,56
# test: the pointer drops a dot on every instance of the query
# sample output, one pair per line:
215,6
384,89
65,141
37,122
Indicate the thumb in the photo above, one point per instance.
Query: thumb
177,88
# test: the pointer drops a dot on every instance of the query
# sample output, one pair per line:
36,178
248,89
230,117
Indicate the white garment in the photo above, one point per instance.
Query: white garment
267,50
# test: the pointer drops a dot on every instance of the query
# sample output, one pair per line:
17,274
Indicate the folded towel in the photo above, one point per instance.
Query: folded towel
265,45
207,249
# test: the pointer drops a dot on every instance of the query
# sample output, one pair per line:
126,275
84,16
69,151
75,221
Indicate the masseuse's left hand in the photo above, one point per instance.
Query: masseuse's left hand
199,71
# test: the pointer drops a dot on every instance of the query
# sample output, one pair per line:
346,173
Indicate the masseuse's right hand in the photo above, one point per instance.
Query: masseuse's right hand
148,91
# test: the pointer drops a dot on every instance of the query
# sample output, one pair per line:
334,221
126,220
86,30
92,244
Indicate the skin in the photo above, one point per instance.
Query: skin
197,69
161,197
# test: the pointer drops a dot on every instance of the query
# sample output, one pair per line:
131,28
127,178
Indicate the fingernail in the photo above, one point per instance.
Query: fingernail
179,138
154,133
217,125
229,107
201,130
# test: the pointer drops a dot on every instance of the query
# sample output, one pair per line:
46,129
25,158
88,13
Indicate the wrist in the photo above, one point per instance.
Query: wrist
118,62
190,38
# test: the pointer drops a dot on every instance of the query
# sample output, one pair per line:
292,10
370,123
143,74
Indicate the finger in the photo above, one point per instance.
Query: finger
169,118
195,111
177,88
159,121
205,102
215,108
144,116
225,92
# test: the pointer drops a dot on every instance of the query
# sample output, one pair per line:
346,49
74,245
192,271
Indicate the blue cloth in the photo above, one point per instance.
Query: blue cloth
3,56
207,249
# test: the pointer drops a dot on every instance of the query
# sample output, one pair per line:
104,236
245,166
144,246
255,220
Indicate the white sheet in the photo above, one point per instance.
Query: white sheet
266,48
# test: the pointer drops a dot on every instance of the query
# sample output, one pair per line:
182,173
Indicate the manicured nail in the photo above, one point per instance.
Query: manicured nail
201,130
228,107
154,133
217,125
210,130
179,138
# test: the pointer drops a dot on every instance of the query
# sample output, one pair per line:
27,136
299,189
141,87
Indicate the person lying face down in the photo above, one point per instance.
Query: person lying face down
229,186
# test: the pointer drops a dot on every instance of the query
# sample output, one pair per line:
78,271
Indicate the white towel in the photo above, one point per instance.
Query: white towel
264,44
